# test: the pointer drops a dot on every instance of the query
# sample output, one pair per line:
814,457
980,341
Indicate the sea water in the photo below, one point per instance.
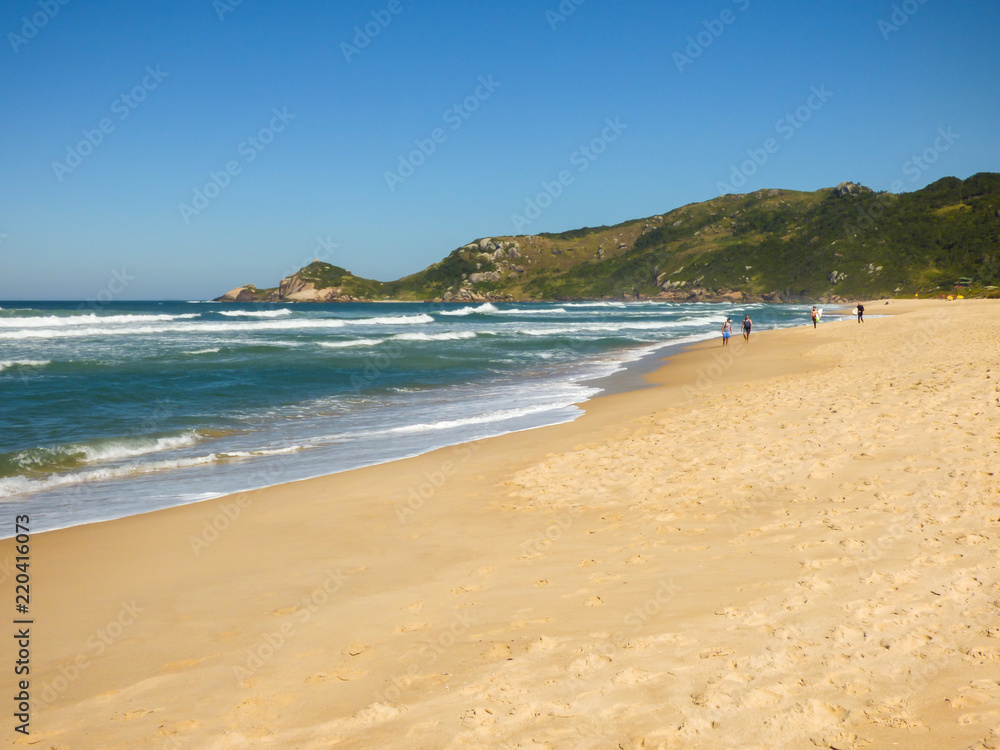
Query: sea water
115,409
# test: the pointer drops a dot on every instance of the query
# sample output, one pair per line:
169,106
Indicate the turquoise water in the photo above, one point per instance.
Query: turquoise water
110,410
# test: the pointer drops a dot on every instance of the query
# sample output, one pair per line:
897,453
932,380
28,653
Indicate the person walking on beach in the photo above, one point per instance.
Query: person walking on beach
747,326
861,313
727,331
815,315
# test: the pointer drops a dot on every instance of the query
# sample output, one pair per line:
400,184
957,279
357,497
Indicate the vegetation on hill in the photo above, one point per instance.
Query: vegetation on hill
845,242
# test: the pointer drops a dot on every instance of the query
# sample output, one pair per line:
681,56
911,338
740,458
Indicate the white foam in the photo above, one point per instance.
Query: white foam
202,351
10,486
256,313
626,325
351,342
116,451
447,336
57,321
299,324
493,416
109,450
261,452
191,328
540,311
395,320
8,363
486,307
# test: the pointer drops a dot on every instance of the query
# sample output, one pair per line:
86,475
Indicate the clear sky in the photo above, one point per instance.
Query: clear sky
173,149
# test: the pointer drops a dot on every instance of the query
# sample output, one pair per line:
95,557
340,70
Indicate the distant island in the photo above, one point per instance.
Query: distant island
831,245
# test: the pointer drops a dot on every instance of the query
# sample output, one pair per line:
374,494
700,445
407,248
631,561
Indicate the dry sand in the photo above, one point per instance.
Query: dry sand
786,544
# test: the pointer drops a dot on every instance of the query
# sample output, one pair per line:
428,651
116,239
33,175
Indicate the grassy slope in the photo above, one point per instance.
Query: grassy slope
770,240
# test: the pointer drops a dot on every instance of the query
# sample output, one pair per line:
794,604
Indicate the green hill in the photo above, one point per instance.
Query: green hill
846,242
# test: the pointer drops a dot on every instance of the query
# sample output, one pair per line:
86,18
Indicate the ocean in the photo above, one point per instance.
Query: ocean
108,410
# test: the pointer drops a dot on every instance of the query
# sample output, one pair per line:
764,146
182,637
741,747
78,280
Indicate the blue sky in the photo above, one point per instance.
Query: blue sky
382,151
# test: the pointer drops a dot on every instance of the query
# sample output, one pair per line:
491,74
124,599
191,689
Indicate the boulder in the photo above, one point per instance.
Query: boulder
850,188
239,294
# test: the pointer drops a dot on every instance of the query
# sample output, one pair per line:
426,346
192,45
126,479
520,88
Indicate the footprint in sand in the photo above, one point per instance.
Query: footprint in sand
968,699
543,643
376,713
981,655
410,627
497,652
631,676
842,741
345,675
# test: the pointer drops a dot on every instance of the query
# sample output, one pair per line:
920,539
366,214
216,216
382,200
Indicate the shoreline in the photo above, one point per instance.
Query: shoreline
446,595
632,362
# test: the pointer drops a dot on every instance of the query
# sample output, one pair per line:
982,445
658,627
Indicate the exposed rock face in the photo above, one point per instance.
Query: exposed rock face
239,294
475,278
850,188
836,276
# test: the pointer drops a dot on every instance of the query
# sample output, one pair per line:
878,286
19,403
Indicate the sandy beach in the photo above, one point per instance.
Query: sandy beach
788,543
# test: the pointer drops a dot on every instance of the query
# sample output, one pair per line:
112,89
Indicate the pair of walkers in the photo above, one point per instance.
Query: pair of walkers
727,329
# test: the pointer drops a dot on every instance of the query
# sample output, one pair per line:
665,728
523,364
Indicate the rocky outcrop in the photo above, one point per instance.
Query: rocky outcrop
850,188
239,294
